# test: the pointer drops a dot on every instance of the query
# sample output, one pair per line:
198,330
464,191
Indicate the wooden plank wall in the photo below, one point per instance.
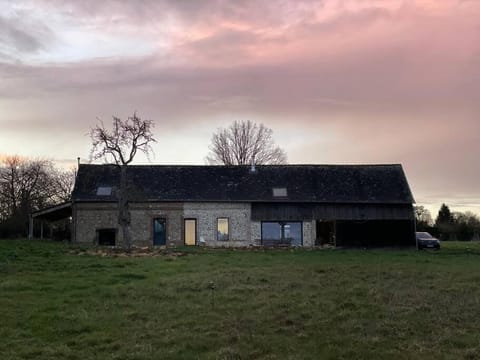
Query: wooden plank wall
305,211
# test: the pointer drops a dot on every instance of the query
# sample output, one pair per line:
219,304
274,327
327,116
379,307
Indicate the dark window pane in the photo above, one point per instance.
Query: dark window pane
293,233
284,232
271,231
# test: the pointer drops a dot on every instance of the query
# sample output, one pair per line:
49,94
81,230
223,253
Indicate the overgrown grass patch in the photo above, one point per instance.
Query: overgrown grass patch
275,304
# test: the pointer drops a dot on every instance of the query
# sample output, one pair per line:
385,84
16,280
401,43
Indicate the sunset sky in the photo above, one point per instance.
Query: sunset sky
361,81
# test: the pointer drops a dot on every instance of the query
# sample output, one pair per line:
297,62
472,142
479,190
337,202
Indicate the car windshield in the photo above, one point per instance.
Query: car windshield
424,236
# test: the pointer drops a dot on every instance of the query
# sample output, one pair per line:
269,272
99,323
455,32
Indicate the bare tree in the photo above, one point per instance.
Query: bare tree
120,145
26,185
243,141
423,217
63,182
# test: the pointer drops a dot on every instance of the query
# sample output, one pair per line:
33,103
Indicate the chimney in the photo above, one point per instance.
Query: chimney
78,165
252,168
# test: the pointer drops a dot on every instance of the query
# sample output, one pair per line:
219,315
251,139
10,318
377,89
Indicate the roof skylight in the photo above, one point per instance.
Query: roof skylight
279,192
104,191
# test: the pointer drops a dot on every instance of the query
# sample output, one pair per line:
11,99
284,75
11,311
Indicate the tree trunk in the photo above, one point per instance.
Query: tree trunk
123,208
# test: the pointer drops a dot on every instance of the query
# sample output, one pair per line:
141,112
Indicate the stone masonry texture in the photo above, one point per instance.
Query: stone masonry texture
91,217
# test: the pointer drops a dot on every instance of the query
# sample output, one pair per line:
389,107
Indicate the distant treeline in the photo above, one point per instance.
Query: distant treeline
458,226
27,185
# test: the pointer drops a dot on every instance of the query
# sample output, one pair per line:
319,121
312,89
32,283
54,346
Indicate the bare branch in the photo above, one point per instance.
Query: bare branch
123,141
243,140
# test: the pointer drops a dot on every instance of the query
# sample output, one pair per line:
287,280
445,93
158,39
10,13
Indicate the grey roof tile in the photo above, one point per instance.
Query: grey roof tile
304,183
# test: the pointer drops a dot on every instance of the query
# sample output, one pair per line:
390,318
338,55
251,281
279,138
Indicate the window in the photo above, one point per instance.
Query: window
282,232
106,237
222,229
104,191
279,192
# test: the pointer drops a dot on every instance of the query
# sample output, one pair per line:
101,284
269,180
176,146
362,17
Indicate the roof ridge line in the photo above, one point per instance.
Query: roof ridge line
258,165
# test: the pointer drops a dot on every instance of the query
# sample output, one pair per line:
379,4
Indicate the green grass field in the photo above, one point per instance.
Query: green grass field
299,304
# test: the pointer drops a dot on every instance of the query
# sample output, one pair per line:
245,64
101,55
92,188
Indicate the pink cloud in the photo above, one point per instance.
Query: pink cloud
338,81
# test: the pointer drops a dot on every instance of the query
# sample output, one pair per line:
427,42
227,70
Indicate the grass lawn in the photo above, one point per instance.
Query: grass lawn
299,304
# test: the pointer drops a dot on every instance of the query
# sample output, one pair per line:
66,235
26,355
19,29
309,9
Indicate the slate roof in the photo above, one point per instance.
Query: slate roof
369,184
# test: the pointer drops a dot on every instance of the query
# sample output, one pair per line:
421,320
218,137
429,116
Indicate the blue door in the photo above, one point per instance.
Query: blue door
159,230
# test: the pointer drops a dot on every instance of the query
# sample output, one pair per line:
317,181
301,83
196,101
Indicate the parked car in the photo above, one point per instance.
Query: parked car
426,241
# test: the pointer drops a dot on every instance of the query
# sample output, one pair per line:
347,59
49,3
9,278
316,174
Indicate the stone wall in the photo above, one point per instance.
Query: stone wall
91,217
309,233
143,215
238,215
256,231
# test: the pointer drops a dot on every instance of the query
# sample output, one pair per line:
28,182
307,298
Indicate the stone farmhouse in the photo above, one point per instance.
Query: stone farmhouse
270,205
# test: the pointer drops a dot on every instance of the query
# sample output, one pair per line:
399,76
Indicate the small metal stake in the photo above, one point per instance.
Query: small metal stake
211,285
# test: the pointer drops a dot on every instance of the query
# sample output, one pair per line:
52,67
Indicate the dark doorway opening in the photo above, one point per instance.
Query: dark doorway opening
106,237
375,233
325,233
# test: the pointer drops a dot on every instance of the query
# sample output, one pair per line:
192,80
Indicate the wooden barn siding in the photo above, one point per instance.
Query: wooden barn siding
282,211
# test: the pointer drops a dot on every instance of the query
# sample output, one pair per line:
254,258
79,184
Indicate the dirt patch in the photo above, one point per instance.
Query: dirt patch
172,253
134,252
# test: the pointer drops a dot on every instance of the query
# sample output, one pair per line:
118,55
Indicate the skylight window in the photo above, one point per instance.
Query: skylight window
280,192
104,191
